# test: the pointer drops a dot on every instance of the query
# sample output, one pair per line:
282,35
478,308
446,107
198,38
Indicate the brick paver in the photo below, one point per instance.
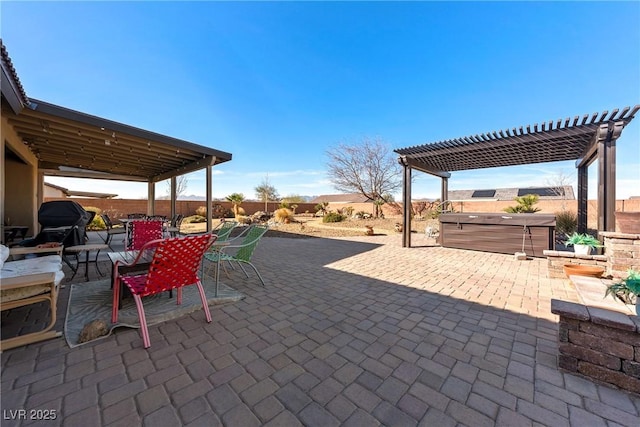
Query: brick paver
356,331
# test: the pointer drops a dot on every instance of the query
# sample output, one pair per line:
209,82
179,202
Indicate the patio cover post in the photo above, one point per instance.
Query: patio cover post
174,183
406,204
151,198
209,180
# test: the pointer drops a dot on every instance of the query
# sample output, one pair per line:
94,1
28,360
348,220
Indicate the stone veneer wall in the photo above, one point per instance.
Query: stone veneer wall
600,344
623,252
557,259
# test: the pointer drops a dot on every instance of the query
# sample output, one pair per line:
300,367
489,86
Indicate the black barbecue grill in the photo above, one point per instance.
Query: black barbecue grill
61,221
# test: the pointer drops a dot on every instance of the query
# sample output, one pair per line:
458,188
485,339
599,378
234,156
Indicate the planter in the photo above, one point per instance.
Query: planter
369,230
582,249
583,270
628,222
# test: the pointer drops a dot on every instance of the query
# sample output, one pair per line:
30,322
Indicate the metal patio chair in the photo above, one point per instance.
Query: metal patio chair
175,264
239,250
111,229
143,231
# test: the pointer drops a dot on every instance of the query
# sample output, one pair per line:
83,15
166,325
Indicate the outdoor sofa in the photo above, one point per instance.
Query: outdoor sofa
30,280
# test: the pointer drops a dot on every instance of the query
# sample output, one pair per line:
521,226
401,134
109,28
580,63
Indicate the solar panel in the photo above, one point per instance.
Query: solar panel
484,193
542,192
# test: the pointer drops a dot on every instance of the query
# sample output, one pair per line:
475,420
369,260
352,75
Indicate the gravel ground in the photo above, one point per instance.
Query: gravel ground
305,227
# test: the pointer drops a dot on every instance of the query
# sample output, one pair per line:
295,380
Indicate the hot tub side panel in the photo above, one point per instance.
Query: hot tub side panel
497,233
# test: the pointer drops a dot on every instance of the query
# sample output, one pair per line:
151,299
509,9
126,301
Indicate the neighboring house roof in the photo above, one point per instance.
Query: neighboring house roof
72,193
545,193
341,198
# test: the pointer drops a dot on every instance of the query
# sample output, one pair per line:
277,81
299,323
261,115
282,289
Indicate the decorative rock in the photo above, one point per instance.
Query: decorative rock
92,330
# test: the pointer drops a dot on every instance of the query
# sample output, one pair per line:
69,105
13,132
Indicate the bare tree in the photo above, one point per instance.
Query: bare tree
368,168
557,183
181,186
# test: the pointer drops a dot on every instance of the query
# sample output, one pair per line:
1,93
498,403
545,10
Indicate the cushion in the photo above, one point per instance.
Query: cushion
45,264
23,267
4,254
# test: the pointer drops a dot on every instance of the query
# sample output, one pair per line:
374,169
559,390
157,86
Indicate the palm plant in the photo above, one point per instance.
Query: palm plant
236,199
525,204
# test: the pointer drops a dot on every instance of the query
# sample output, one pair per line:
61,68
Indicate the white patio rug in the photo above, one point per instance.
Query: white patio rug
93,300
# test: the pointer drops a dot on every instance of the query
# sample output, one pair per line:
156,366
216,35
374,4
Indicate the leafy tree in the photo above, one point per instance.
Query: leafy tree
368,168
266,192
236,199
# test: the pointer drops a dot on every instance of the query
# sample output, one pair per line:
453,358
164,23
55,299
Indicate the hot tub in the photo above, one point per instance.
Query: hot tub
498,232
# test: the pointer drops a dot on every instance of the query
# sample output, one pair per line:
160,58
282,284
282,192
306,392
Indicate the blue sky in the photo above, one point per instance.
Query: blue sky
278,83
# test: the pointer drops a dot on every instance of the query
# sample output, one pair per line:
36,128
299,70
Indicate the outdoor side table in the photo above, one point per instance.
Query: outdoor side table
78,250
128,257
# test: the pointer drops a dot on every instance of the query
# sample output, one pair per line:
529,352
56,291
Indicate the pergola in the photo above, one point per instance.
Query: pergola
585,140
74,144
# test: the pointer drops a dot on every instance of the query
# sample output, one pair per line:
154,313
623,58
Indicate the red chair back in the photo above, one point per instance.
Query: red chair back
144,231
175,262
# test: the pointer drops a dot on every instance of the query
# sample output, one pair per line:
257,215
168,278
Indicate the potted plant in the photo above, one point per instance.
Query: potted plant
627,289
582,243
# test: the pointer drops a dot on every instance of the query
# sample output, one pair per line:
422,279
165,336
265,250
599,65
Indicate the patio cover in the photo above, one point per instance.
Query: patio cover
584,140
74,144
62,139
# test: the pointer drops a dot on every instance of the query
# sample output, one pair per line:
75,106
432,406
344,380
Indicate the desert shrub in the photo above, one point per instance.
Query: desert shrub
333,217
97,223
194,219
347,211
566,222
217,211
322,207
284,204
243,219
283,215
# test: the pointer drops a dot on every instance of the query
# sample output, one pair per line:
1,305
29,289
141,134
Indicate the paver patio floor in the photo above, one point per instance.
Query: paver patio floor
354,332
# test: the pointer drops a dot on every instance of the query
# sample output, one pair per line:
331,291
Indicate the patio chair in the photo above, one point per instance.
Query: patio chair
143,231
111,229
239,250
174,225
224,229
174,264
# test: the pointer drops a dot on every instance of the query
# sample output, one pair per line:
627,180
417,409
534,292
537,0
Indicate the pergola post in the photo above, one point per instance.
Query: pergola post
607,178
444,191
406,204
583,192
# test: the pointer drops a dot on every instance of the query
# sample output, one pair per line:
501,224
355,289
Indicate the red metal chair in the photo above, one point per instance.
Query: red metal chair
175,264
143,231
